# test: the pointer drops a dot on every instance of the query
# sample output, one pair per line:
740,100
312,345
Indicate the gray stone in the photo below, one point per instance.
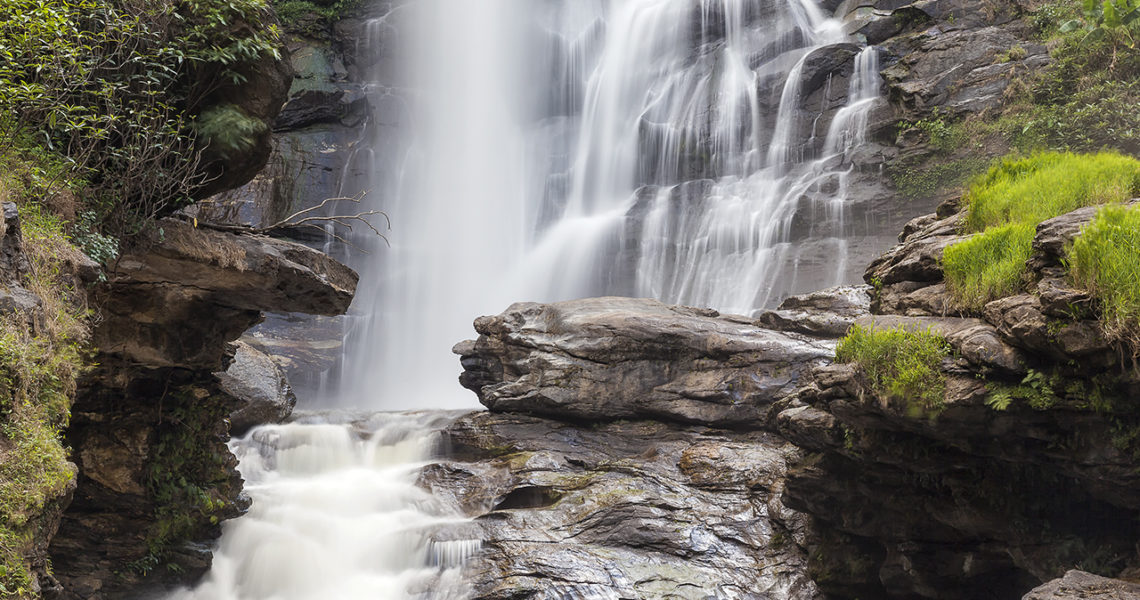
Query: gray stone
260,386
620,358
1079,585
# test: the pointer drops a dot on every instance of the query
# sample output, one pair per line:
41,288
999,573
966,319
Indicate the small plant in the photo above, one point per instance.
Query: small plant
1115,20
899,364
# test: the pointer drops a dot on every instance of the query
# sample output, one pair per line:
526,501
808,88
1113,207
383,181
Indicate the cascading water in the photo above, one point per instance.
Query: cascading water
562,149
336,514
689,150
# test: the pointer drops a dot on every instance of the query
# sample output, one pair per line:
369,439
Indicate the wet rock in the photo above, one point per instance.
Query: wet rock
259,384
149,425
625,509
1084,586
619,358
828,313
956,67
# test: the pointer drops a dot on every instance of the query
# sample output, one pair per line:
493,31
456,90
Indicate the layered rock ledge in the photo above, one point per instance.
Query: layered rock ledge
150,423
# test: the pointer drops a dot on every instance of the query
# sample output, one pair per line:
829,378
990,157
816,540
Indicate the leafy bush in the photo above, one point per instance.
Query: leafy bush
899,364
1105,259
113,85
1007,203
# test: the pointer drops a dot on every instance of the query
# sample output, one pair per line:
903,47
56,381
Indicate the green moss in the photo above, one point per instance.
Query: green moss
900,365
913,181
1007,203
189,480
41,356
1105,260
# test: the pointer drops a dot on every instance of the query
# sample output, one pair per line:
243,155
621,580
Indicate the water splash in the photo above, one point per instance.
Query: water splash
336,514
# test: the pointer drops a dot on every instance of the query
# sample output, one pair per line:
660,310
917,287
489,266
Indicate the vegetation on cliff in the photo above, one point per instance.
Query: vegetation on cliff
899,364
118,91
41,356
1005,205
1105,259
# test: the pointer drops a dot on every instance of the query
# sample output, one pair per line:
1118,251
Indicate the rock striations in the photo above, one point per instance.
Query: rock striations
149,427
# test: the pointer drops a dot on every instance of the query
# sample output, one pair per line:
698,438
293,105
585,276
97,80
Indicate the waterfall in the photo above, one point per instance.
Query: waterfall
571,148
336,514
689,150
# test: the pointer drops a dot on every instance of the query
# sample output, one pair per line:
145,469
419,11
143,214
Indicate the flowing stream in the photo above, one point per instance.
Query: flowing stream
694,151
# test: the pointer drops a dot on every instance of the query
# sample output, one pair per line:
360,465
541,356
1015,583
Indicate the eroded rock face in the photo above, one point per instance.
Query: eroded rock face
978,496
620,358
623,510
149,425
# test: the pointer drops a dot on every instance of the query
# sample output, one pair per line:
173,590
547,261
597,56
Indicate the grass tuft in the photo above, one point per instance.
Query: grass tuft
1105,260
1007,203
900,364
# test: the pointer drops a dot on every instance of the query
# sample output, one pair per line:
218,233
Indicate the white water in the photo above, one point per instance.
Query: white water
336,514
571,148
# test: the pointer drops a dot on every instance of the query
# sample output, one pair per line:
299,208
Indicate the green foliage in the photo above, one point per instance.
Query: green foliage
1006,204
989,265
310,18
227,128
1115,20
899,364
1105,260
1086,99
112,86
1038,390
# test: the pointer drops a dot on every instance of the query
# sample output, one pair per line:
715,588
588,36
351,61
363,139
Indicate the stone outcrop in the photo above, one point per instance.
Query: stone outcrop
622,510
621,358
977,496
260,385
1012,492
149,426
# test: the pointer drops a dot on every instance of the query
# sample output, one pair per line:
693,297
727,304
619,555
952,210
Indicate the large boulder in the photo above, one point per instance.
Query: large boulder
261,388
619,358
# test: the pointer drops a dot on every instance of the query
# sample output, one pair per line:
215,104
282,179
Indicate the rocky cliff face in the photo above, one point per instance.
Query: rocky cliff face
149,426
976,501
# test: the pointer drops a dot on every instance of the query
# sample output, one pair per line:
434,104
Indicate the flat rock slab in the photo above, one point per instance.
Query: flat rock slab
602,359
1081,585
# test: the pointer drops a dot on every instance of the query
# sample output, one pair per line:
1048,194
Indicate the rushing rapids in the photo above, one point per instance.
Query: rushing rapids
337,514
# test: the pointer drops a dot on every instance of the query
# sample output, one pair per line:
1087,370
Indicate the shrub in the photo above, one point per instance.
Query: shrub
1007,203
900,364
1105,259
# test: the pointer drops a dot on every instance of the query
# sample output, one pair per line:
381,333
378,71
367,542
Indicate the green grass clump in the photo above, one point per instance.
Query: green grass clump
900,364
1049,184
1105,259
1007,203
989,265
